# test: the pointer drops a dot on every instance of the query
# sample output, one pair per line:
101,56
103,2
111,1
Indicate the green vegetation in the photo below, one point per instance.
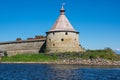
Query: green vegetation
66,55
29,57
5,54
107,53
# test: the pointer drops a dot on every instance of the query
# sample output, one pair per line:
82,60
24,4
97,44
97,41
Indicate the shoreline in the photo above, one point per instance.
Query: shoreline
89,62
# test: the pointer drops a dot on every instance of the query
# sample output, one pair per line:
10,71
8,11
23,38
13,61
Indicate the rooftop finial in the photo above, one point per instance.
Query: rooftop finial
63,4
62,9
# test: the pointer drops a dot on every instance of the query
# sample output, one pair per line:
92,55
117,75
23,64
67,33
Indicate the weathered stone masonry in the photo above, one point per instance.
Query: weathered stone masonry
24,46
63,42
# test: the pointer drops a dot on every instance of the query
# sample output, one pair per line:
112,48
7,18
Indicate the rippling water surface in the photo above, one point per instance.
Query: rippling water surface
57,72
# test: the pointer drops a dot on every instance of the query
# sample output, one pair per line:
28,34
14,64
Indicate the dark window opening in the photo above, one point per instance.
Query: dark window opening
53,44
49,39
66,33
75,39
62,39
53,33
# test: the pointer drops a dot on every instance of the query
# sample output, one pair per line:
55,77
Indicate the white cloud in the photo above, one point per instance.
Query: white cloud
117,49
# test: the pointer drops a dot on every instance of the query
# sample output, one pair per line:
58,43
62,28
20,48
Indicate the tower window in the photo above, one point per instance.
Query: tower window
49,39
66,33
53,33
62,39
53,44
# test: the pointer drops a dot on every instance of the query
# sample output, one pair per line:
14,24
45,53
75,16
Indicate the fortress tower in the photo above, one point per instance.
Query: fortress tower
62,37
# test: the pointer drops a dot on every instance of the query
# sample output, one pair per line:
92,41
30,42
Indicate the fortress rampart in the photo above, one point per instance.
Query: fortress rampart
23,46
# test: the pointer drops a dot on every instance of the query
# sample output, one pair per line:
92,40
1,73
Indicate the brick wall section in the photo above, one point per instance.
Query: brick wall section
19,47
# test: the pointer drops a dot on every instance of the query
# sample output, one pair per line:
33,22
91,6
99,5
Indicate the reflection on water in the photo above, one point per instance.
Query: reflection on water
57,72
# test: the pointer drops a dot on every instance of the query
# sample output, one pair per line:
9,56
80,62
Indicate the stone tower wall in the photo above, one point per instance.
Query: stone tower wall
62,42
21,47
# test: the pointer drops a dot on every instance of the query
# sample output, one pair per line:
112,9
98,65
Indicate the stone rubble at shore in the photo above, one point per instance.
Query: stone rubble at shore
81,61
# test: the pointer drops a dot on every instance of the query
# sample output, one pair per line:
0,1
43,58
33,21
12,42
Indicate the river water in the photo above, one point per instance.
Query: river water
57,72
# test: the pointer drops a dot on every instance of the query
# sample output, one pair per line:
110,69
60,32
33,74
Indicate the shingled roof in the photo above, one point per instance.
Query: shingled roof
62,23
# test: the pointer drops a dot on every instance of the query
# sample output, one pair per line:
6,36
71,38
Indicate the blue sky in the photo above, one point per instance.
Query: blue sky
98,21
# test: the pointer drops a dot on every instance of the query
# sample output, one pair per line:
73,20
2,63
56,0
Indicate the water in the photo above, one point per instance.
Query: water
57,72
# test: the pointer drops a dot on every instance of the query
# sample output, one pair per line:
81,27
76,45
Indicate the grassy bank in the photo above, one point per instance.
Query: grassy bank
42,57
29,57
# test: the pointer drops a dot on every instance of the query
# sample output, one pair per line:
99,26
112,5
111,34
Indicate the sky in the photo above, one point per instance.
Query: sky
98,21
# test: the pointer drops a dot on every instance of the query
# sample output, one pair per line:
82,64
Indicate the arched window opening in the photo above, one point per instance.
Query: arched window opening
62,39
66,33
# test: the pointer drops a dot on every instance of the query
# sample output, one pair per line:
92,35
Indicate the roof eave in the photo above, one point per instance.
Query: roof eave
62,31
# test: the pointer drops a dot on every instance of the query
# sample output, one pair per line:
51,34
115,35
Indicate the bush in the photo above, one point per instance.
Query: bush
5,53
106,53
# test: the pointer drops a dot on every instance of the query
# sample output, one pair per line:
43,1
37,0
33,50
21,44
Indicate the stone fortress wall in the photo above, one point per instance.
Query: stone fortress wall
63,42
31,45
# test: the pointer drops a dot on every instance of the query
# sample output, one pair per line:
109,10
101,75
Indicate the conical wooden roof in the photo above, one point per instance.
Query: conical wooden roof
62,23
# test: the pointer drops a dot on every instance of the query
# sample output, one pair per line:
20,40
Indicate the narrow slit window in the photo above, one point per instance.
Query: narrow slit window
53,33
